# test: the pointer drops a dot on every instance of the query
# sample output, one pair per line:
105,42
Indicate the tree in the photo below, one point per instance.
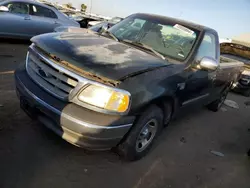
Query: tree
69,5
83,7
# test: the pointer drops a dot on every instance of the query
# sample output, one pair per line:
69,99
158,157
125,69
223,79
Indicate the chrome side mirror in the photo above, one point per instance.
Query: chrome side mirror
208,63
4,9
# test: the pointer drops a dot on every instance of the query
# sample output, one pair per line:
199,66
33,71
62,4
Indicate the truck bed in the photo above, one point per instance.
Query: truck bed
226,62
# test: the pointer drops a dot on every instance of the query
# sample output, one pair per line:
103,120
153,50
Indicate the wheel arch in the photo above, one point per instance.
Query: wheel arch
162,102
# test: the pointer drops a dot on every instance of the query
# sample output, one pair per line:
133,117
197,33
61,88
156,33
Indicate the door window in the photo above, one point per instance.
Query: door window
207,47
43,12
18,8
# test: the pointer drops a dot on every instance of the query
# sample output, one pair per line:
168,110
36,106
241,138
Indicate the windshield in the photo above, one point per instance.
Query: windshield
169,39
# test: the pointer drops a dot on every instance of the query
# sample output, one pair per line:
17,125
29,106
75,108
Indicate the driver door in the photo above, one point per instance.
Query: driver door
16,22
200,84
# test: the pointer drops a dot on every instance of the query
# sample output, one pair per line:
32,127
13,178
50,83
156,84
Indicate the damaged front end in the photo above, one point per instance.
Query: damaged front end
69,83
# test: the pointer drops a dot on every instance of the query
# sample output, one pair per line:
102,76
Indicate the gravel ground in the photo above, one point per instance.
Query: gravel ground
32,156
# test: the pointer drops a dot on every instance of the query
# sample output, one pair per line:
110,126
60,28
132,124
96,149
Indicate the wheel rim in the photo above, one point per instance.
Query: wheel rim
146,135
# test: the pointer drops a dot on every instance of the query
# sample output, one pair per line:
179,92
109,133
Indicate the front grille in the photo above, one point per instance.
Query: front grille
47,76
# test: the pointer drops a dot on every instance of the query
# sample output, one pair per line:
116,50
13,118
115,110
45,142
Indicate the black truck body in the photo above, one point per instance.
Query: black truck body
152,87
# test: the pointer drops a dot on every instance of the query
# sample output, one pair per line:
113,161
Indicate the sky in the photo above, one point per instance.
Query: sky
229,17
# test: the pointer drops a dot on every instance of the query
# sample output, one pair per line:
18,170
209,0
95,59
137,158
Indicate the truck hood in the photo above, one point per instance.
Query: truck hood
97,55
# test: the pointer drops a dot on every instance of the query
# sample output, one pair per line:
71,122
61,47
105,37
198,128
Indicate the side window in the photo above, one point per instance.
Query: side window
18,8
43,12
207,47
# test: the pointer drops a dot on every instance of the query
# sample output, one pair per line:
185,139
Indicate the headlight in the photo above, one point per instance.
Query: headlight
106,98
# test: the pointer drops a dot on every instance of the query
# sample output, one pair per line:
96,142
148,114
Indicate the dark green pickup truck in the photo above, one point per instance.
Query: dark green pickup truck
119,88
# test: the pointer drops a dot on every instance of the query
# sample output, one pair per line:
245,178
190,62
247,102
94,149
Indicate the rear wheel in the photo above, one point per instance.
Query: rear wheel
216,105
143,134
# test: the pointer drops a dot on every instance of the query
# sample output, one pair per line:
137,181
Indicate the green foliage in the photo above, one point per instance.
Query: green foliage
69,5
83,7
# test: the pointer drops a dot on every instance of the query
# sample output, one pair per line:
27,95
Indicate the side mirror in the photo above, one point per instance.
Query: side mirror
208,63
4,9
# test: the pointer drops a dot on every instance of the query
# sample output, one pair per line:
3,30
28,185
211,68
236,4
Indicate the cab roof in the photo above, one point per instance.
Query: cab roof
175,20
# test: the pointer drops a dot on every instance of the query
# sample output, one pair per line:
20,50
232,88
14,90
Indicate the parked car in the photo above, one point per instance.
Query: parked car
113,21
100,26
26,18
239,52
84,19
119,88
95,28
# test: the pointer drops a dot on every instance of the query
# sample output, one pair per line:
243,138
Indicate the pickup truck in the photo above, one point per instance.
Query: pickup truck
119,88
241,53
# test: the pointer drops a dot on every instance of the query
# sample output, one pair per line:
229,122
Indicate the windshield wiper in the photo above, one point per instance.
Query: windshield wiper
139,44
111,35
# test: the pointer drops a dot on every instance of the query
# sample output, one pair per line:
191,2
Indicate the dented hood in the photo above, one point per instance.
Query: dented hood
97,55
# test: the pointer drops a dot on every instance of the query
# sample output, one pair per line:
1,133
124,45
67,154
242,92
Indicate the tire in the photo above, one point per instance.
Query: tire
216,105
147,127
247,93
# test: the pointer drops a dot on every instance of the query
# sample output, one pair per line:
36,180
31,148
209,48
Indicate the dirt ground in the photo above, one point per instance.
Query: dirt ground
32,156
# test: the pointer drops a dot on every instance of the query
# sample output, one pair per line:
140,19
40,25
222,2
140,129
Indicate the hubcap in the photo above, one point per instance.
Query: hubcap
146,135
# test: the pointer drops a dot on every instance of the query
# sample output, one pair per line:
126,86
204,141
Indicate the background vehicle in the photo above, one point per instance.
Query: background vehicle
84,19
25,19
241,53
120,87
100,26
113,21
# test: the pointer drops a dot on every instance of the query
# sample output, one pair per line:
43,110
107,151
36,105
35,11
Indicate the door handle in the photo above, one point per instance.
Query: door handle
26,18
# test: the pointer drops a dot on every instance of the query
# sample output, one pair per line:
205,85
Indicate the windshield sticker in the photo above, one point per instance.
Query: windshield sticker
179,54
183,29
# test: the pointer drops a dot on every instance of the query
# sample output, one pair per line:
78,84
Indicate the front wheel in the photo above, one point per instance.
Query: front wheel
216,105
142,135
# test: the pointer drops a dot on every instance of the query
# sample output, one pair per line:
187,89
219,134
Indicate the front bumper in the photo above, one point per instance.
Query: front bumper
77,125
